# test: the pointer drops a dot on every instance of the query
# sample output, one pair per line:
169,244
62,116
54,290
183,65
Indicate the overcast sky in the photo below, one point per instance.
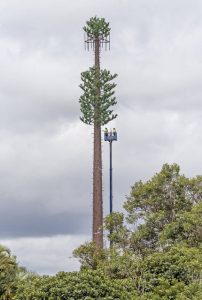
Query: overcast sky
46,152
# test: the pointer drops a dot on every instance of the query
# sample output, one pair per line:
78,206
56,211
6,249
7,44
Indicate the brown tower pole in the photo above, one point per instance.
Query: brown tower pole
96,102
97,162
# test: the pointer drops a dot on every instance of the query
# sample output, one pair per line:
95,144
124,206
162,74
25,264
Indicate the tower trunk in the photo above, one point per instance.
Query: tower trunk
97,162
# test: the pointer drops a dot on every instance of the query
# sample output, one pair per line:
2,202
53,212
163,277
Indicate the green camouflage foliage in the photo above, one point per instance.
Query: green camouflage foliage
97,86
93,82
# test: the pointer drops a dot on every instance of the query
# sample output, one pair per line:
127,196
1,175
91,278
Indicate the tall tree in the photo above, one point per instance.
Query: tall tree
96,102
166,208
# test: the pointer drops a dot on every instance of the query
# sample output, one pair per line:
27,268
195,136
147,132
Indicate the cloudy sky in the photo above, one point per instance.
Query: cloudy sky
46,152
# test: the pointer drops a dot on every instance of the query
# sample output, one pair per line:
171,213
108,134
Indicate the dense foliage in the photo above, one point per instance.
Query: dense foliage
166,210
76,285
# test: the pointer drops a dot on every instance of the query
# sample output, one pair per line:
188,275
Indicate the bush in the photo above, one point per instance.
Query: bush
86,285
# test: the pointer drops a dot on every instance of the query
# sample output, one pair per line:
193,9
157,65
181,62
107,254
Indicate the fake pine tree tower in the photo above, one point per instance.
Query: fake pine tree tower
96,102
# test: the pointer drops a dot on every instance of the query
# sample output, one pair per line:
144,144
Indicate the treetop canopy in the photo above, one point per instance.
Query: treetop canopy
97,27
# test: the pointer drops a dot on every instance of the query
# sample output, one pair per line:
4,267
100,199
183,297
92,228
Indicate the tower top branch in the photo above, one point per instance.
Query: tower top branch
97,30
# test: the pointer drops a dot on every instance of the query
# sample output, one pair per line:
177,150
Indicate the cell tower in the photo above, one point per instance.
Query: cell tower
96,102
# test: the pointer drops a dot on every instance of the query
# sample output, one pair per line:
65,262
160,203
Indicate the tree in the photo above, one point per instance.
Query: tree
89,255
96,102
158,244
8,273
159,205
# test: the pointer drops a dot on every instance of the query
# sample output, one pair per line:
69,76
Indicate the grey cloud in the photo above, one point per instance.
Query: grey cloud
40,183
36,92
27,220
